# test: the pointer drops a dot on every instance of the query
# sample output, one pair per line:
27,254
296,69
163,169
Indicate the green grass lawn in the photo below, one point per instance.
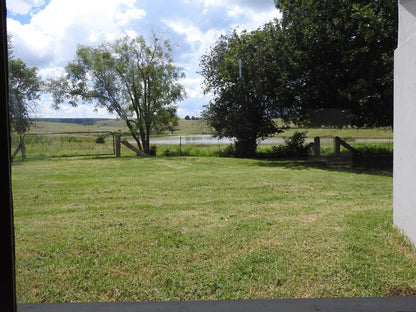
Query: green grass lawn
138,229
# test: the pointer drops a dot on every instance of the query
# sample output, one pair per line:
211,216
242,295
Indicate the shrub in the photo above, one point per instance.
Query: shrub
167,152
153,150
373,157
295,147
229,151
100,140
296,144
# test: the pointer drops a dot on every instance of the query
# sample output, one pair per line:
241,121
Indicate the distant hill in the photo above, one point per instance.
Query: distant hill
52,125
79,121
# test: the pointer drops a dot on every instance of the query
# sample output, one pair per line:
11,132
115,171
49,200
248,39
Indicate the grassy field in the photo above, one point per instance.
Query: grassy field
191,228
115,125
199,127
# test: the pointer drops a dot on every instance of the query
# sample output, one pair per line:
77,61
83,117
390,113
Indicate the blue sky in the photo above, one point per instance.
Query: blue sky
46,33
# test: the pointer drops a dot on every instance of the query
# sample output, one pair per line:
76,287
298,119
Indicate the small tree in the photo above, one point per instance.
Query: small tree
242,72
24,90
133,78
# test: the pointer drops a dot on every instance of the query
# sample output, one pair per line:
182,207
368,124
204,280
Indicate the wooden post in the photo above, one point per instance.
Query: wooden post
337,146
118,145
19,148
22,147
317,146
347,146
133,148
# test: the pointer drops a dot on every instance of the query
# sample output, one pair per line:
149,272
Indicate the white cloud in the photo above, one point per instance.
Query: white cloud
125,18
250,18
30,42
53,33
23,6
131,33
48,39
184,27
193,86
45,110
199,43
198,39
237,5
51,72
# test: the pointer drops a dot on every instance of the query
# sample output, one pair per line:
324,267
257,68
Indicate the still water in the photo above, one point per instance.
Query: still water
202,139
209,139
189,139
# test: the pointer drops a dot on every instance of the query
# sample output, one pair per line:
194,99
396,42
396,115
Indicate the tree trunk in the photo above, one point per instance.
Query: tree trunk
146,145
137,139
246,147
133,133
145,140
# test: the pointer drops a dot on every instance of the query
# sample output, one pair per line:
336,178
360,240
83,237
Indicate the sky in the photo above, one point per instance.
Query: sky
46,33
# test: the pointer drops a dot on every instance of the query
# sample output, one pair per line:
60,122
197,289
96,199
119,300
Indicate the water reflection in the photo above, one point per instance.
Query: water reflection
190,139
209,139
202,139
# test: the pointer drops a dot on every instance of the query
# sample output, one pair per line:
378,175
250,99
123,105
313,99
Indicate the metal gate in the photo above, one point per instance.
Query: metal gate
65,144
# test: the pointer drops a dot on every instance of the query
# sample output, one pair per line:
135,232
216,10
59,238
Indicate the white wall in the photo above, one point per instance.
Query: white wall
404,176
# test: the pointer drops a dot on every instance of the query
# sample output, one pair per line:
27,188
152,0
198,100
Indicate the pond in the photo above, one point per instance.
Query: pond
209,139
205,139
189,139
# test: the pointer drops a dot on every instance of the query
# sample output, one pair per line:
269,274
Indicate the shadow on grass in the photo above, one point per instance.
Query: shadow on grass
328,165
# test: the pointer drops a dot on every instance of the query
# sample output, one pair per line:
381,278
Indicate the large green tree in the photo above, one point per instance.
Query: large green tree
341,56
244,76
25,87
131,77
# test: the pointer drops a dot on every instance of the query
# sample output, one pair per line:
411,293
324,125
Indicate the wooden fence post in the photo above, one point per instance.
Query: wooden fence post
337,146
317,146
22,147
118,144
133,148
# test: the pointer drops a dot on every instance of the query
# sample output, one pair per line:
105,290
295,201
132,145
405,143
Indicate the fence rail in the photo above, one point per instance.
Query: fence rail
103,143
338,142
65,144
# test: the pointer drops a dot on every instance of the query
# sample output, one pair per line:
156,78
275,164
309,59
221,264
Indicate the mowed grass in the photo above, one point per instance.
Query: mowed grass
141,229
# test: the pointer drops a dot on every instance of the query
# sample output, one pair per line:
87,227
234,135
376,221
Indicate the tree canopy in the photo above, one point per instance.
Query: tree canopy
324,62
131,77
341,57
241,73
25,87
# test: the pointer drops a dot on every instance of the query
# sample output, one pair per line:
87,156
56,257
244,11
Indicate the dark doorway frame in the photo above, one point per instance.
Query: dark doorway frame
8,285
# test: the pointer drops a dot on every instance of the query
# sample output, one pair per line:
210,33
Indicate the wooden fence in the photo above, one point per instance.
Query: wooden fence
338,142
63,144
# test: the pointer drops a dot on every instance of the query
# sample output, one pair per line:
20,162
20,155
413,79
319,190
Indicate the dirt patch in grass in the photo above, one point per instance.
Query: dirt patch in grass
309,219
403,290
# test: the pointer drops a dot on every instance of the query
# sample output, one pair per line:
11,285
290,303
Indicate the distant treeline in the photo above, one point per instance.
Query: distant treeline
80,121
